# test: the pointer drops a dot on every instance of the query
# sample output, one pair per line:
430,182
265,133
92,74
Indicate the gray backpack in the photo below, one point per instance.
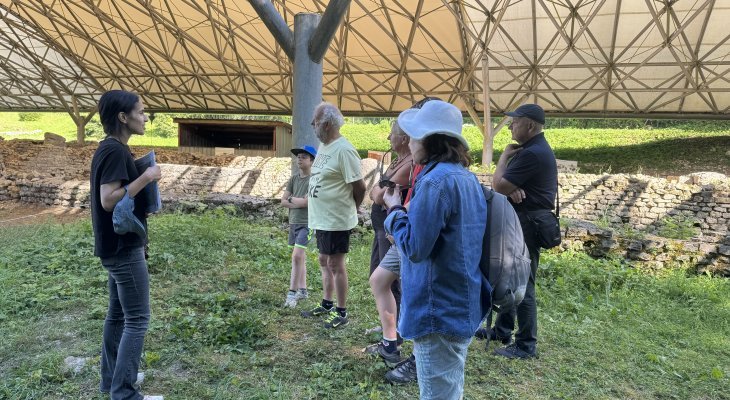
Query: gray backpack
505,261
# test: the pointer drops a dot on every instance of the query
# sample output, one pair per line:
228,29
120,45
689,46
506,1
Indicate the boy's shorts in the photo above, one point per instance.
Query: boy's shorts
299,235
333,242
391,260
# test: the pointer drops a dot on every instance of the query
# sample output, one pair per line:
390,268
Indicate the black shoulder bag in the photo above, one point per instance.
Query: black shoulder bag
547,225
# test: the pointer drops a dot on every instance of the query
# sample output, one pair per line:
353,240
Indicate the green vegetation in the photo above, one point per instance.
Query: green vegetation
163,127
29,116
675,149
218,329
13,127
677,227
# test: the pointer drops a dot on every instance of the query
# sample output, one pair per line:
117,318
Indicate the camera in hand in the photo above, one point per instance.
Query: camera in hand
390,184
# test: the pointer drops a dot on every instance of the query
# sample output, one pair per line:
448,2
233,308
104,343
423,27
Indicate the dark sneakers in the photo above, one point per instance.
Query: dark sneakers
317,312
404,372
390,359
335,320
491,334
513,351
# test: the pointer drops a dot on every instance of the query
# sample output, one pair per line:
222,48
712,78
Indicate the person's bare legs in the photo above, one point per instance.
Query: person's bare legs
298,269
328,279
380,282
336,264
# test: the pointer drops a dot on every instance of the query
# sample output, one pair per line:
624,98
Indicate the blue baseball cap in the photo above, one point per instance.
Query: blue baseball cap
531,111
305,149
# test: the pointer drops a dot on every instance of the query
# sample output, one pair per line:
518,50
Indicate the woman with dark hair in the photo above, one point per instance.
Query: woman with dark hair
114,177
439,236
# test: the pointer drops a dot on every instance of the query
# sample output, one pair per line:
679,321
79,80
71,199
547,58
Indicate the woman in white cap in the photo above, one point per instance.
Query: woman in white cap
440,238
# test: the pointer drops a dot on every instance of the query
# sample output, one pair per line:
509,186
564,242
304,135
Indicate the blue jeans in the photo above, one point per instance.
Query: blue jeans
440,363
126,322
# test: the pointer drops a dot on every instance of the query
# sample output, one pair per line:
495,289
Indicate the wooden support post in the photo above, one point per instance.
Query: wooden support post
326,29
488,145
76,117
276,24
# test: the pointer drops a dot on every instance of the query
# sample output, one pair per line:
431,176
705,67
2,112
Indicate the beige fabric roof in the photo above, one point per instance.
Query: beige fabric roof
586,57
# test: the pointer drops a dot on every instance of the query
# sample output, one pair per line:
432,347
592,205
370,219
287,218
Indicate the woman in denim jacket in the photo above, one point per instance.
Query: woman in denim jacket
440,239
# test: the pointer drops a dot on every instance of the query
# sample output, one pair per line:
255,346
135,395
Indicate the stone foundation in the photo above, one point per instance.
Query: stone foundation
648,251
57,174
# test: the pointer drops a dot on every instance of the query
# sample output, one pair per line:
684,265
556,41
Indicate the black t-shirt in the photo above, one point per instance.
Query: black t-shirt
112,161
535,171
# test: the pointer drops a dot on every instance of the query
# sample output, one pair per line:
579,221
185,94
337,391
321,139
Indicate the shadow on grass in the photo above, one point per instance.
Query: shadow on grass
668,157
662,157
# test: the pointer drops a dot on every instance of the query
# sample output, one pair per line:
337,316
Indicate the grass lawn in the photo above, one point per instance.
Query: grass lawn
218,330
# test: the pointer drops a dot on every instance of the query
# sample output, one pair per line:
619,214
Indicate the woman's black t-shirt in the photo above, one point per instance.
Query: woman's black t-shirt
112,161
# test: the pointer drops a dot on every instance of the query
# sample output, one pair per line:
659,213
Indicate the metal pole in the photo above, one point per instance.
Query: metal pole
488,145
307,83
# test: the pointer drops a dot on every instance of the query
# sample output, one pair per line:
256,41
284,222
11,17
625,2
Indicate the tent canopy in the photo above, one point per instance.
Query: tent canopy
657,58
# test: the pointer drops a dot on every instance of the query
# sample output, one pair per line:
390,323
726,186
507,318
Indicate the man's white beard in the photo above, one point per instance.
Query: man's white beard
321,135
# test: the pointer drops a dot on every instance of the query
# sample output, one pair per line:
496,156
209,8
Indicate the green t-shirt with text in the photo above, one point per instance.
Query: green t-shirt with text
331,205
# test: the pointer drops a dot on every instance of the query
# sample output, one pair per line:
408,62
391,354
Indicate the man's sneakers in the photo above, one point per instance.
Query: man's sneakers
335,320
317,312
491,334
513,352
390,359
404,372
148,397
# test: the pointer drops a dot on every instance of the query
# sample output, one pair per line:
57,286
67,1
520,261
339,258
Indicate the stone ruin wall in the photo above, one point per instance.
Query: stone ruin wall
54,174
57,174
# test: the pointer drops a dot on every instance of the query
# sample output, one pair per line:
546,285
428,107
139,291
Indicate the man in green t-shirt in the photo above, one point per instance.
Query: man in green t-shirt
336,190
295,199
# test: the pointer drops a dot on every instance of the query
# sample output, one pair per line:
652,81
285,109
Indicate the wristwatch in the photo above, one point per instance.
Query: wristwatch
289,198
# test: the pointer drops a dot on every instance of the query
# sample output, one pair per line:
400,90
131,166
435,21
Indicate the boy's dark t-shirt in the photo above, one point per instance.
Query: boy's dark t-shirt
112,161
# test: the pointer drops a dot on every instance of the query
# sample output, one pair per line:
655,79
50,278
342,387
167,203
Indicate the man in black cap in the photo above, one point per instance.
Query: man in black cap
527,173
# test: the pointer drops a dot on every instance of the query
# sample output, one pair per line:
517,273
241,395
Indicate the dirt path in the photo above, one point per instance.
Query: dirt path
16,213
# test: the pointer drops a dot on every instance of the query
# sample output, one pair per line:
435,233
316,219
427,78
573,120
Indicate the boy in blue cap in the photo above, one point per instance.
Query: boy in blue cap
295,199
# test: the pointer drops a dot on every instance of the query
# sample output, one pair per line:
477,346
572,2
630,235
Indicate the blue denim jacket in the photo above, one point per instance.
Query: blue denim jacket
440,239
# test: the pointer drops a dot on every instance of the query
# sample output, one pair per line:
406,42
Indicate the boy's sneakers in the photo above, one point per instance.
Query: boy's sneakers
302,294
317,312
404,372
390,359
291,300
335,320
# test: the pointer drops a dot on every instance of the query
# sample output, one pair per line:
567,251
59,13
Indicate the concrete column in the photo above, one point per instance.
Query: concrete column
307,82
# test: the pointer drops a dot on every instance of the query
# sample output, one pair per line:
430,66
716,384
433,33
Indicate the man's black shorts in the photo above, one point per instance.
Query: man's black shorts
333,242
